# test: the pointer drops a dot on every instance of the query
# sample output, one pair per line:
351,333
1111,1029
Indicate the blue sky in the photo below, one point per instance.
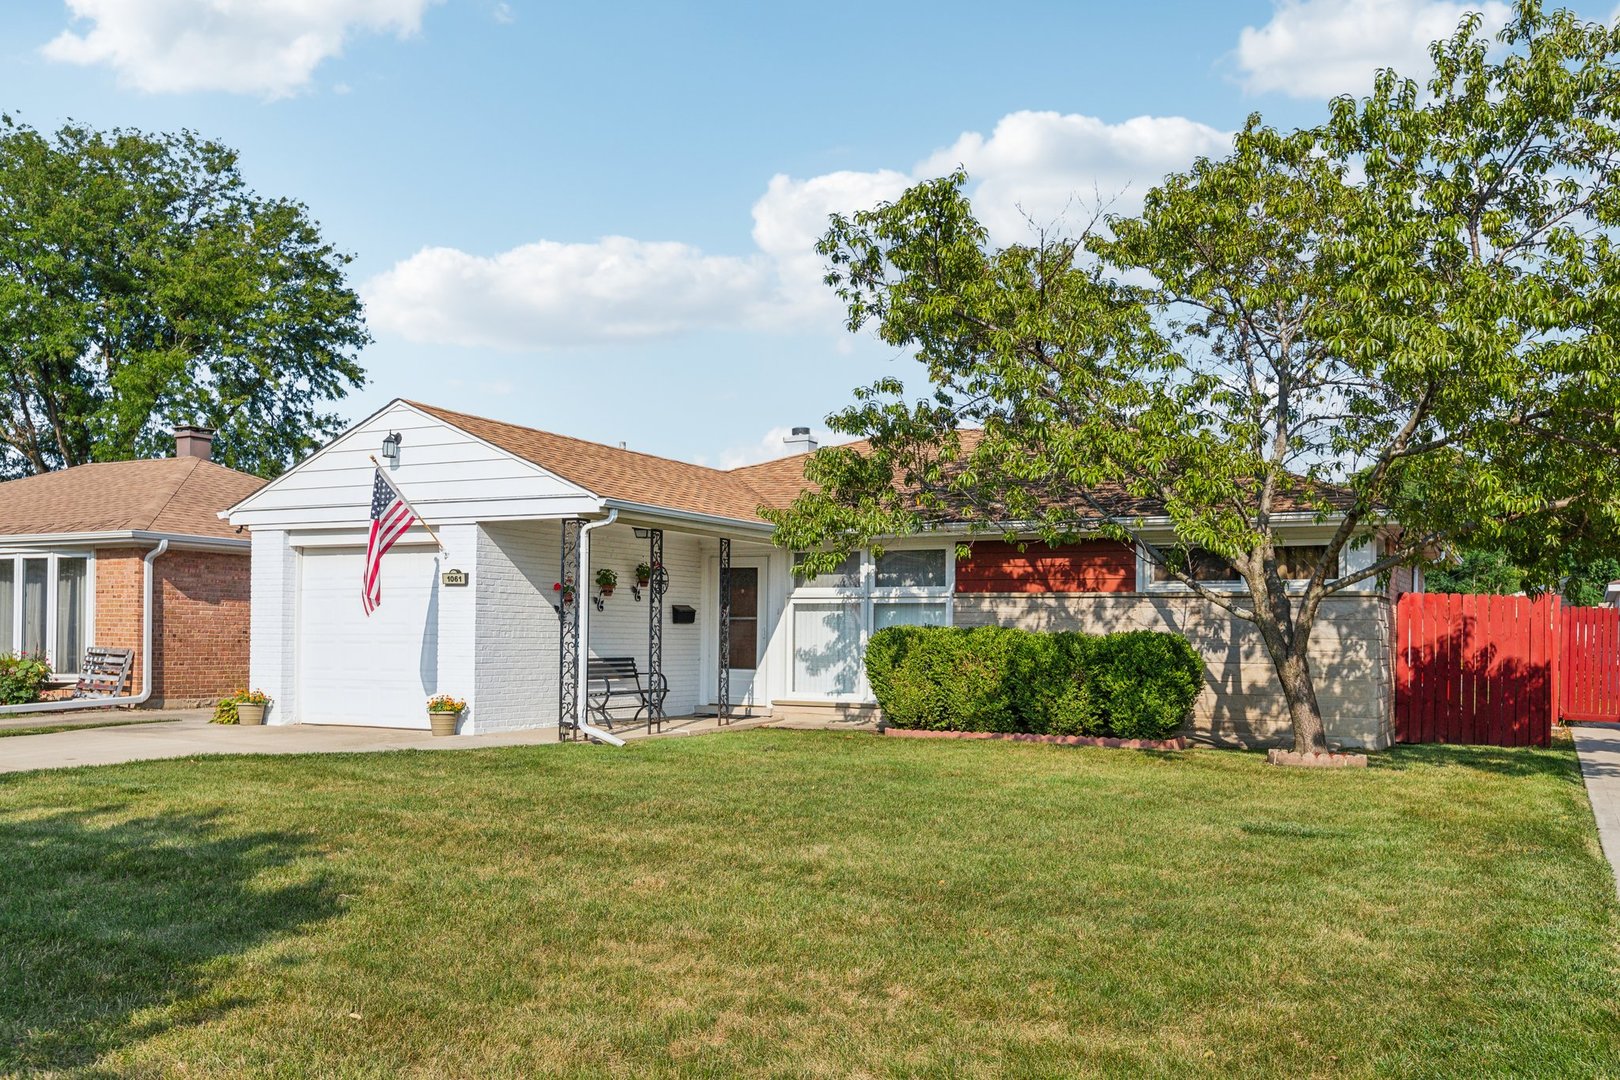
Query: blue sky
596,219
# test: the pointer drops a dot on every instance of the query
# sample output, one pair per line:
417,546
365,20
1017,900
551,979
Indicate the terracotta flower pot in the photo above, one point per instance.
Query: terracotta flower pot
444,723
607,590
249,715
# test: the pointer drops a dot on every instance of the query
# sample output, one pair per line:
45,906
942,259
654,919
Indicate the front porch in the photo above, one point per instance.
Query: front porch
684,650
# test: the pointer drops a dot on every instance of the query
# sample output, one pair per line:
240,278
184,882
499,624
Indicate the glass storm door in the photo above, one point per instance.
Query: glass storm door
745,632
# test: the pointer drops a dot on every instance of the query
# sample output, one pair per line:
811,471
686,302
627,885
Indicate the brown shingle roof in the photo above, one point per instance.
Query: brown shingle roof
634,477
779,482
608,471
182,496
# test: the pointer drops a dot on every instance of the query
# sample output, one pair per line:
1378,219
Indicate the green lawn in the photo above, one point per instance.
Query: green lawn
803,903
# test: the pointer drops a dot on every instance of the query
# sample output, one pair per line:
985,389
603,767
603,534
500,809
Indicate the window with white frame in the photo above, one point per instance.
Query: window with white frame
831,616
45,606
1295,563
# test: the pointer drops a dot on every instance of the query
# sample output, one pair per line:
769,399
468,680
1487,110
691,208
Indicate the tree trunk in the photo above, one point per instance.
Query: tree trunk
1286,640
1299,690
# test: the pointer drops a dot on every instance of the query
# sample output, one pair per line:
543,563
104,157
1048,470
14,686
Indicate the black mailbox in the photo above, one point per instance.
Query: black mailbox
683,613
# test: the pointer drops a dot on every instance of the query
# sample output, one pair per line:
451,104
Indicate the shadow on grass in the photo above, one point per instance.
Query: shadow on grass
1505,761
111,932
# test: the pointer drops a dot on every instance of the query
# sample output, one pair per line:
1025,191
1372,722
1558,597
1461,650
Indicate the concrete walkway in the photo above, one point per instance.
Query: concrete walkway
1599,748
192,735
97,717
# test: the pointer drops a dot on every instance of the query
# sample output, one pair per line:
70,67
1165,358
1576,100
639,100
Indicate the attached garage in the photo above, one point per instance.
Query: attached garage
374,671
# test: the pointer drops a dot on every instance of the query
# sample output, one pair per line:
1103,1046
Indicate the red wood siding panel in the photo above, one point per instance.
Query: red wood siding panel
996,566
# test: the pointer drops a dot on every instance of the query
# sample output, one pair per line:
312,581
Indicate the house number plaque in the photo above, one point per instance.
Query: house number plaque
453,577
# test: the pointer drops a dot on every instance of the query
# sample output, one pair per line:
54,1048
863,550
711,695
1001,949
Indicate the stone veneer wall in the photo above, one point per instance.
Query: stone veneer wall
1351,657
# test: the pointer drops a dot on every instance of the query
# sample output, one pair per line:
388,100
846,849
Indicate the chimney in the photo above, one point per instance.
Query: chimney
195,442
801,441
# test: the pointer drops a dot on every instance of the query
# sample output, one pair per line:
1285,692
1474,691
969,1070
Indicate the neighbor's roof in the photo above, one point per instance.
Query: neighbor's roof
176,496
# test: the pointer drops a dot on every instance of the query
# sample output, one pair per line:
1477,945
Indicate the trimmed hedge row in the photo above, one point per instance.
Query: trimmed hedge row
1139,684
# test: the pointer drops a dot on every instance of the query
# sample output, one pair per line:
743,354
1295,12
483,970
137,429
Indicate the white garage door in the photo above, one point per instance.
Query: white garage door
376,670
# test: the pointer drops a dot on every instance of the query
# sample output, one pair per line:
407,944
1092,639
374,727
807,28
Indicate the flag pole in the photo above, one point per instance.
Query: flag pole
401,496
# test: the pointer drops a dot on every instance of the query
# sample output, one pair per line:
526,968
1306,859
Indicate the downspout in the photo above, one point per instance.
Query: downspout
581,722
146,656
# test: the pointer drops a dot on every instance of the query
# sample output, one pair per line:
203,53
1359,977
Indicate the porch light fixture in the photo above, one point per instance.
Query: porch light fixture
642,534
390,448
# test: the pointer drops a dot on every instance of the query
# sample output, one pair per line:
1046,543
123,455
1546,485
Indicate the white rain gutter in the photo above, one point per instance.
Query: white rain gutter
146,656
581,721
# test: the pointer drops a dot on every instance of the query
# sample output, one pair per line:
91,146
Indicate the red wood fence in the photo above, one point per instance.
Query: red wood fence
1501,670
1589,666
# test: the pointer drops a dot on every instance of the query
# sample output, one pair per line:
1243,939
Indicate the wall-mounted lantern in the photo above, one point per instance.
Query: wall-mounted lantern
390,448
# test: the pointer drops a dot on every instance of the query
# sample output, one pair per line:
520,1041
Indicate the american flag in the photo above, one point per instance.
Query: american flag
391,516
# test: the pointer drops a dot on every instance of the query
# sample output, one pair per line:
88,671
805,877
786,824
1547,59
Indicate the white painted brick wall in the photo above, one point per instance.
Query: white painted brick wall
273,623
620,629
515,632
458,645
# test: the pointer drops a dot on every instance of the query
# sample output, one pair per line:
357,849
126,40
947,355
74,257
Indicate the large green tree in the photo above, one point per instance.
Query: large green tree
143,284
1416,296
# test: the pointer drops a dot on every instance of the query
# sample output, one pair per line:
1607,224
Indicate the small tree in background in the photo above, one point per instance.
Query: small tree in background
1478,570
1414,297
143,285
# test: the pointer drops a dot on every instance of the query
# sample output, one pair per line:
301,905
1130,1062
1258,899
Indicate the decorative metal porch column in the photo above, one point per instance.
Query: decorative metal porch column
568,645
722,709
655,625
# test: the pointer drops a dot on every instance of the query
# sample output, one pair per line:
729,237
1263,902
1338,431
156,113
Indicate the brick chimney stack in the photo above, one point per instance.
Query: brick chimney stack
197,442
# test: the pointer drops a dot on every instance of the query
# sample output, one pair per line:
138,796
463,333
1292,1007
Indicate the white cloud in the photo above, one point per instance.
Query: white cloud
1322,48
548,294
264,47
1039,169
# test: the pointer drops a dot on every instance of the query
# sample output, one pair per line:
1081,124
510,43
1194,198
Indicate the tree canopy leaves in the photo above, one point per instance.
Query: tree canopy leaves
1400,323
144,285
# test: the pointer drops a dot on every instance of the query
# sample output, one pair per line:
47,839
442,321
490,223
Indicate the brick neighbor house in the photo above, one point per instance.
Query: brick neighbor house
74,552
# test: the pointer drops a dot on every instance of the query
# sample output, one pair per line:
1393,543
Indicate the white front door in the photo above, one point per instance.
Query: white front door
747,628
375,671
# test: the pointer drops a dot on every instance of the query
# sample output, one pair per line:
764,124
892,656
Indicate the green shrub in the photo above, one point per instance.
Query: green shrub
1145,682
943,678
22,677
1137,685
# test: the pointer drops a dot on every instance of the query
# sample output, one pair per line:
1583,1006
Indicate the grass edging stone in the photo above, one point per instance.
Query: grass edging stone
1177,743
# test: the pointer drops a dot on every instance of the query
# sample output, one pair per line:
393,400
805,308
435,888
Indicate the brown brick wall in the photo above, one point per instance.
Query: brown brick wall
200,627
118,603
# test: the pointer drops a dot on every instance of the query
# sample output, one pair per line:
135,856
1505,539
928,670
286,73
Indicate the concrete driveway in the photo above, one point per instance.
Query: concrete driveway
192,734
1598,746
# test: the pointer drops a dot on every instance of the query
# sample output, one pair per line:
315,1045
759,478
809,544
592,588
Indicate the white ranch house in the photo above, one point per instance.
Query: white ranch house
528,518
